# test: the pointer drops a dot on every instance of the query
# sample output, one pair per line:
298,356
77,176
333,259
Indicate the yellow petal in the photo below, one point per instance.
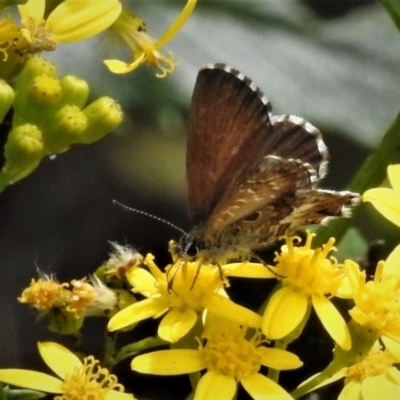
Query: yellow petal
248,270
32,9
261,387
392,264
31,380
284,312
214,385
393,347
394,176
176,324
142,281
351,391
74,20
332,321
220,305
121,67
386,201
378,387
169,362
59,359
177,24
279,359
136,312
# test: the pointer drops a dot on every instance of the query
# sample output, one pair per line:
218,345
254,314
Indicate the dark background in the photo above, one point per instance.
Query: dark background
335,63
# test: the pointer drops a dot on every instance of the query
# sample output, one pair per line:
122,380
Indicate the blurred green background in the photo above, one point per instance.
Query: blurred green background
335,63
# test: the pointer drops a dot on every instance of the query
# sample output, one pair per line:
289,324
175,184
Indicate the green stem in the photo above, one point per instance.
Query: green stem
372,173
109,348
131,349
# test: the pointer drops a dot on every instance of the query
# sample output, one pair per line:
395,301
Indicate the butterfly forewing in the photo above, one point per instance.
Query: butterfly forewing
227,116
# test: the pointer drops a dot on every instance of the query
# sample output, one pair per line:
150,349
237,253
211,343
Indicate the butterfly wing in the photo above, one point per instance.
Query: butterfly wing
228,115
251,175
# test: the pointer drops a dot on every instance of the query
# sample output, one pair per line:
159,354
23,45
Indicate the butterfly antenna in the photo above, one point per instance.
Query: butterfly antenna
135,210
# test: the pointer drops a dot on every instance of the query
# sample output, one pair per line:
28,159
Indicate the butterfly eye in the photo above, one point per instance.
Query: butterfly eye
189,245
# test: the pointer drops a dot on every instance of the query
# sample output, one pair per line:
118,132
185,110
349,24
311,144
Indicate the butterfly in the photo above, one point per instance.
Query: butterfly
251,176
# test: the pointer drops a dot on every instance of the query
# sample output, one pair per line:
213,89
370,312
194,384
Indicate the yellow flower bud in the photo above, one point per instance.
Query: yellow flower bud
103,115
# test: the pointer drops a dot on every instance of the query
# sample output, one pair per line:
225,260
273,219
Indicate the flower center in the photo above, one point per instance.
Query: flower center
378,304
89,382
190,284
233,356
377,362
308,270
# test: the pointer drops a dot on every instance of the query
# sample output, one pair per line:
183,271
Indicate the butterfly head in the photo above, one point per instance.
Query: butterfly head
189,245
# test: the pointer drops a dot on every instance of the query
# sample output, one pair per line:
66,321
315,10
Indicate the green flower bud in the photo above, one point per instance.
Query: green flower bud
60,321
64,129
35,66
23,152
103,115
6,98
75,91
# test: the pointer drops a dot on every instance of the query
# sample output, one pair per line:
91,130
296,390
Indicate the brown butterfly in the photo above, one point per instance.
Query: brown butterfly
251,176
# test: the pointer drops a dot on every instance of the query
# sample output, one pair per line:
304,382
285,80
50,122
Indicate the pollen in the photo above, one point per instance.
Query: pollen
232,355
44,294
308,270
377,362
89,382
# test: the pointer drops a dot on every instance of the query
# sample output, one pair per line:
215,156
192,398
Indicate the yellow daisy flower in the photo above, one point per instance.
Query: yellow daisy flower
131,29
375,376
230,355
385,200
70,21
309,278
77,379
182,293
377,301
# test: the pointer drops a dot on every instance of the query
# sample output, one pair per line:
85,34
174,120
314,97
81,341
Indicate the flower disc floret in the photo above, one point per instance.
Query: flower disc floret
377,301
232,356
307,270
88,381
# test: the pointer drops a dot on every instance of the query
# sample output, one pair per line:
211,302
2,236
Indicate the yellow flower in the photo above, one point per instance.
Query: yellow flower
70,21
45,293
375,376
377,301
77,379
131,29
385,200
308,278
230,356
183,292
